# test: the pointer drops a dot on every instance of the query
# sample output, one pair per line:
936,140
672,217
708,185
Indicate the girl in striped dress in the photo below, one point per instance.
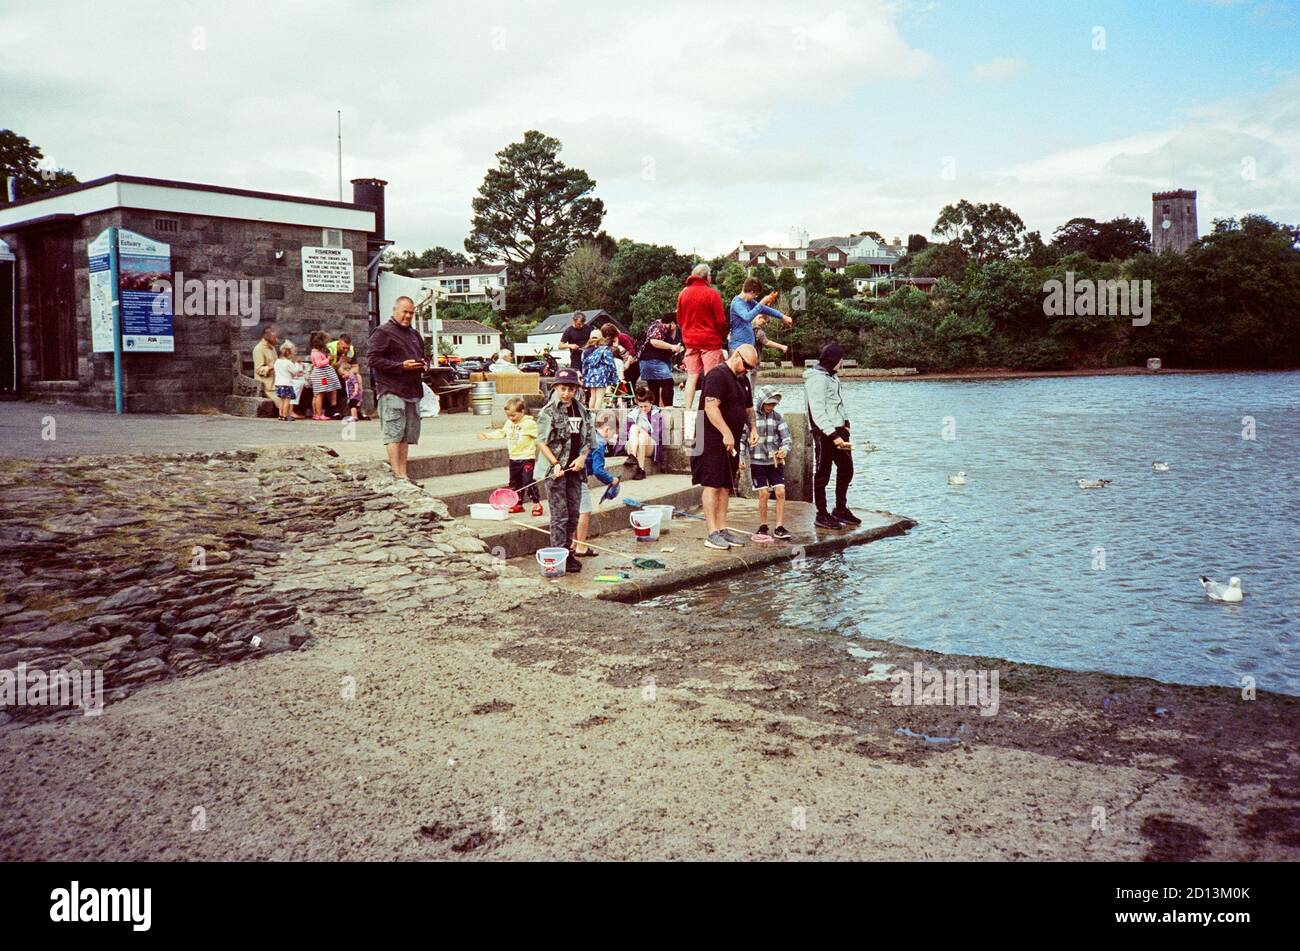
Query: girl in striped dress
323,378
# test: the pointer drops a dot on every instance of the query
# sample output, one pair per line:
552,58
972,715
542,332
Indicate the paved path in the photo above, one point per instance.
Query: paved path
26,430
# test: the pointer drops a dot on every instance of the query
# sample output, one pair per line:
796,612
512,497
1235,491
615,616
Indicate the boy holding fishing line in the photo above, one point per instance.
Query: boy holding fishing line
606,433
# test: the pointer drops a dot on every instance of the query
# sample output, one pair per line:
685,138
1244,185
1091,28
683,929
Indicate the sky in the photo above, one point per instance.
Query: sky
702,124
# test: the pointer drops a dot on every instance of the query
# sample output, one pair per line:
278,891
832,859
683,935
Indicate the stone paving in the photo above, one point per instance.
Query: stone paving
151,567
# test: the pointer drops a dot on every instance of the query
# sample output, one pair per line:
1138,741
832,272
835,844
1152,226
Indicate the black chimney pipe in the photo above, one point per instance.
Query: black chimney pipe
370,192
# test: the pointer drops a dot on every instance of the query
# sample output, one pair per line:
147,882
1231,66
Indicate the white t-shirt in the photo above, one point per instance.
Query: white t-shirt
287,371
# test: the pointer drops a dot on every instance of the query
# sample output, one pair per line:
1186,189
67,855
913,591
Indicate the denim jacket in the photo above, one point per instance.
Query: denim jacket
553,431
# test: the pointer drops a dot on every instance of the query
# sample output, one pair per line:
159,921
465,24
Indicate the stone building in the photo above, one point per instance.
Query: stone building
1173,220
234,260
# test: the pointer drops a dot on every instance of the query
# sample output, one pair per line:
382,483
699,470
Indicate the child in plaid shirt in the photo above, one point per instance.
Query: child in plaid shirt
767,459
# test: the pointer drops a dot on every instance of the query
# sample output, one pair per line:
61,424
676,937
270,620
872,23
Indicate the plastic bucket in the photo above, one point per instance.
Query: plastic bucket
552,561
665,515
645,525
480,397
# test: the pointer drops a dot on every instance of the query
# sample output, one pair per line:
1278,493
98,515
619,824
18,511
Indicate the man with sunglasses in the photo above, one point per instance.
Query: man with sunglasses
728,404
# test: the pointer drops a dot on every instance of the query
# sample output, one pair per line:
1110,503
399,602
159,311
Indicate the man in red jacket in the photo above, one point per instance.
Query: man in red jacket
704,327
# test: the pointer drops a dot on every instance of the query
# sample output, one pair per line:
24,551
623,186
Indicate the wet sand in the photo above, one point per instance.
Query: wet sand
536,725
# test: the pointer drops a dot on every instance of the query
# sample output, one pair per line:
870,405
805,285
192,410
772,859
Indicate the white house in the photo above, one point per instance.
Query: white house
485,284
836,253
469,338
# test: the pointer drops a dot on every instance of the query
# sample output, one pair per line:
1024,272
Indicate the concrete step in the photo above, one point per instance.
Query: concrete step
458,491
460,461
691,563
512,540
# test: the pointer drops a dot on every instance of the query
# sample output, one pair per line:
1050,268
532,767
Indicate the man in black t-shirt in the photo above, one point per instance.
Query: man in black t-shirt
574,339
727,406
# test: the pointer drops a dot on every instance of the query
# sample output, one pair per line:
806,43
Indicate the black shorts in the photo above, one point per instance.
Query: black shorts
714,469
766,477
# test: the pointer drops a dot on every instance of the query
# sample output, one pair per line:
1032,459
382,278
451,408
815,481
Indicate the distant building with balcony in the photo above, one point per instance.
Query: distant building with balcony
836,253
465,285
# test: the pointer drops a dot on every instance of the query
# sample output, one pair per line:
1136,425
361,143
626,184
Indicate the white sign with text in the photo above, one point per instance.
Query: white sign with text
327,269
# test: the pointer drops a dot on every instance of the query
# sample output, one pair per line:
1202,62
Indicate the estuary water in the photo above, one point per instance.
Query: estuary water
1021,563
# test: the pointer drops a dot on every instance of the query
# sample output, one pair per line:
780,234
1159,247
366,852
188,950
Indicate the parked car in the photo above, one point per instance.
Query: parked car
545,366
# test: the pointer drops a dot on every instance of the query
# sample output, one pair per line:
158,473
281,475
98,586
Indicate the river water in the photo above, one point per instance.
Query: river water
1020,563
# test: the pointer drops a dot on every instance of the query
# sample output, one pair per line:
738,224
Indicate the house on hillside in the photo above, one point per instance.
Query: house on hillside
485,284
836,253
469,338
547,333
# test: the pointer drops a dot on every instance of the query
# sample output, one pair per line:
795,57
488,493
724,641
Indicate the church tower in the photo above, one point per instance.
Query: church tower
1173,220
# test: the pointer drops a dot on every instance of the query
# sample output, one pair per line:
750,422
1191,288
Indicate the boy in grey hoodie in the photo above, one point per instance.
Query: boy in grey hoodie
829,423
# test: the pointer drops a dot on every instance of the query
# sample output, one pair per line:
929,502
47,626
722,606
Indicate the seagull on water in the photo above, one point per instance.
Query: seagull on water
958,479
1092,483
1159,467
1217,591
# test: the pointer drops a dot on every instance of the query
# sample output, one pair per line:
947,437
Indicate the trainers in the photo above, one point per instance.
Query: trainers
639,474
537,509
517,507
736,540
844,515
762,530
717,540
782,533
571,564
826,520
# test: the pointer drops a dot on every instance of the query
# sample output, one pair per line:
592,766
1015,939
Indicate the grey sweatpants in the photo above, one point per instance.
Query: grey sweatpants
565,496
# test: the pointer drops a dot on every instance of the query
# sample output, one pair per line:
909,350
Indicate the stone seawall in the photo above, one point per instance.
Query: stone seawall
145,568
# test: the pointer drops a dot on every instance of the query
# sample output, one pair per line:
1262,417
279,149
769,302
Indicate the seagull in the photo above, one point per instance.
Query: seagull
958,479
1159,467
1092,483
1230,592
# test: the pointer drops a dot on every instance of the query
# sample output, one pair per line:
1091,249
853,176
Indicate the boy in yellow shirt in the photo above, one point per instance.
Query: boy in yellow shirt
520,434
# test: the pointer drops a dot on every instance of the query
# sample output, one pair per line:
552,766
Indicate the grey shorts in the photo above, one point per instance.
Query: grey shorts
584,499
399,420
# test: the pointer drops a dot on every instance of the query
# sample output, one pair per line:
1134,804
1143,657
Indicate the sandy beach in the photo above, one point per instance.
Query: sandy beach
501,719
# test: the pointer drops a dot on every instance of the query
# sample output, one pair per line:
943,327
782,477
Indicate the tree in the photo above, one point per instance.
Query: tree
983,232
1116,240
652,301
634,264
841,284
531,212
404,262
916,242
583,281
729,281
20,159
765,276
936,260
813,276
1037,254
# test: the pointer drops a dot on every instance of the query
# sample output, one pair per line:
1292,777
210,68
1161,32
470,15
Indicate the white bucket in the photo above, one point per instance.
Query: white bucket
552,561
645,525
665,515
